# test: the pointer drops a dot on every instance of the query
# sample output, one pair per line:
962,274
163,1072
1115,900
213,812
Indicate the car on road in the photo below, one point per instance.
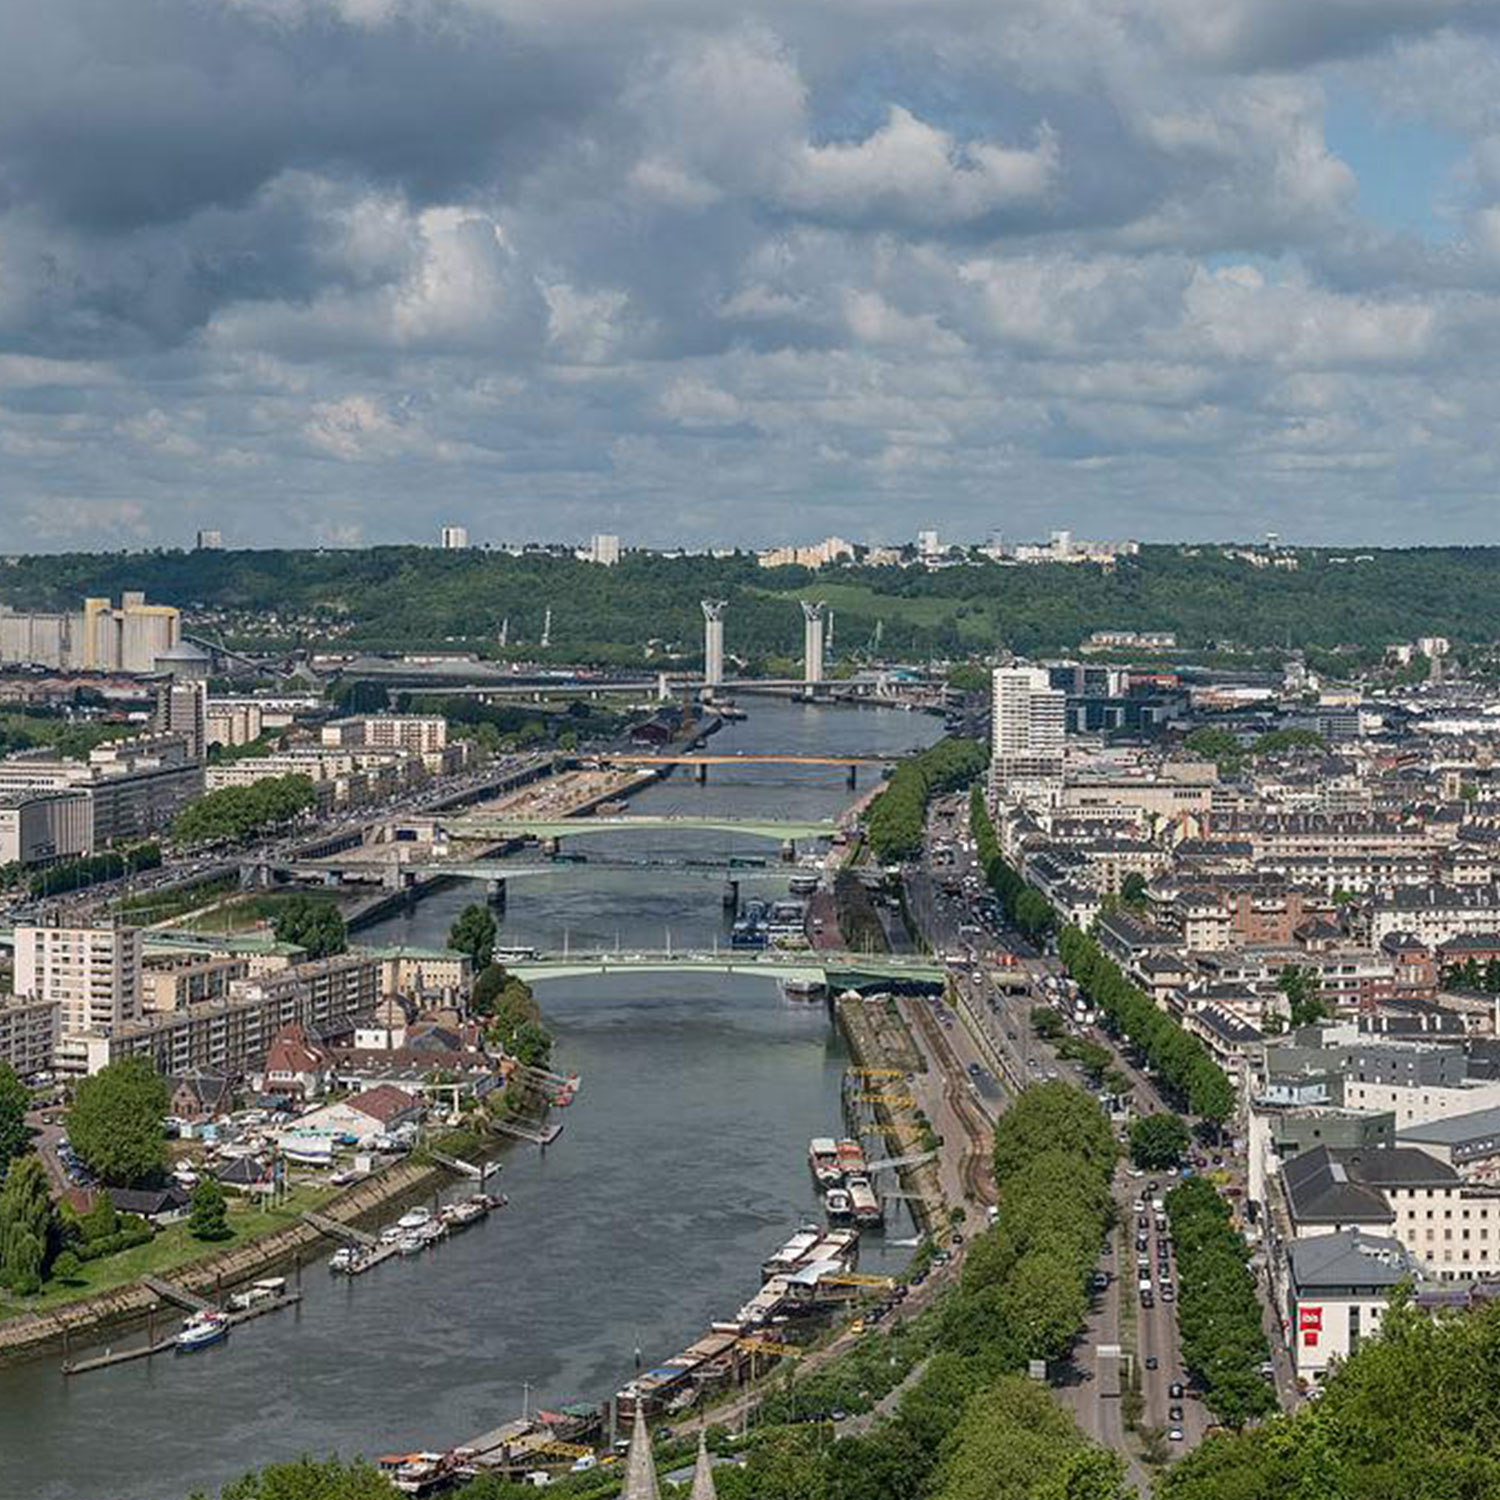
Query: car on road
1152,1362
1174,1414
1101,1281
1175,1390
1176,1435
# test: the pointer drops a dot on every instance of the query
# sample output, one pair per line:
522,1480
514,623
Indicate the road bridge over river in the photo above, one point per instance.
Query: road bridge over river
558,828
839,970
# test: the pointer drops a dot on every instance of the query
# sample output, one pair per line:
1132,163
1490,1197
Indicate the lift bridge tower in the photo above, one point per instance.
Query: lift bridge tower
713,645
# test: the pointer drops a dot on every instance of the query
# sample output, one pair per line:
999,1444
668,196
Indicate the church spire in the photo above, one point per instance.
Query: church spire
640,1468
703,1474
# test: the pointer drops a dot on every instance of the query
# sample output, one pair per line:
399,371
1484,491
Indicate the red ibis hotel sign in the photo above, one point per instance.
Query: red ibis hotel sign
1310,1322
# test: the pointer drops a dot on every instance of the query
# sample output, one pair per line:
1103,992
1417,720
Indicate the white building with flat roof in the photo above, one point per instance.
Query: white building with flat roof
92,974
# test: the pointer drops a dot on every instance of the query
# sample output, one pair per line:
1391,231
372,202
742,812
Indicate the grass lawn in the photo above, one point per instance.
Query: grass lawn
172,1247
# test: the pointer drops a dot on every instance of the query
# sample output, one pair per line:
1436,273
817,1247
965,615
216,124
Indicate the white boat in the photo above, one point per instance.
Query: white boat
418,1218
344,1259
431,1232
201,1330
823,1158
411,1244
838,1204
798,987
267,1289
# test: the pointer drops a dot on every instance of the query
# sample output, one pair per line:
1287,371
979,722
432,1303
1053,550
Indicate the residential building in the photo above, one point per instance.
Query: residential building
92,974
604,549
453,538
1468,1143
209,541
182,709
1027,734
29,1033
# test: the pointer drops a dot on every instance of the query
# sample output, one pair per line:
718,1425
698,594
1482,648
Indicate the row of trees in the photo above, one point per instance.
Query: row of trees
1218,1313
1230,753
94,869
895,820
1181,1061
1025,906
235,813
1024,1291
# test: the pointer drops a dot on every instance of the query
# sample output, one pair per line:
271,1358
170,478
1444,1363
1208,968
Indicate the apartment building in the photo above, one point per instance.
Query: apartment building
1434,914
92,975
231,1036
1027,727
1449,1228
29,1034
422,734
177,982
1337,1288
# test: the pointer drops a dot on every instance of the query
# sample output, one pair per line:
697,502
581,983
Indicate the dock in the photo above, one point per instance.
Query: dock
169,1291
112,1357
543,1137
464,1168
336,1230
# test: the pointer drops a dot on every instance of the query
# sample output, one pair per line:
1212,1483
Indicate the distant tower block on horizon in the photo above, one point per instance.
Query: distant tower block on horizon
453,538
713,644
812,642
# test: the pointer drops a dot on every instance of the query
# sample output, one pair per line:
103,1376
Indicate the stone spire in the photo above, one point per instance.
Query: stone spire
640,1469
703,1473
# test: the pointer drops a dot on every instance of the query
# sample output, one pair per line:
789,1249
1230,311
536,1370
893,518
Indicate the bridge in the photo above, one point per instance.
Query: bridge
701,760
837,969
559,828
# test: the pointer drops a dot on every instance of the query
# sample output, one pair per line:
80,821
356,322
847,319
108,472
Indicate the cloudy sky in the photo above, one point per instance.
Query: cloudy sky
337,271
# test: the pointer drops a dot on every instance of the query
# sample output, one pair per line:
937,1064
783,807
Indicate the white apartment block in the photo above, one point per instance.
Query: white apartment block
92,974
1028,728
423,734
453,538
604,549
1418,1103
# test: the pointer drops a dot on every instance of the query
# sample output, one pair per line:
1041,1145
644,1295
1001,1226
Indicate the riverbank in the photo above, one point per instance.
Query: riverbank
91,1318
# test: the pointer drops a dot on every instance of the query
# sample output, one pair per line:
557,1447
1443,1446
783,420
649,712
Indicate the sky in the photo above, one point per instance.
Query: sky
337,272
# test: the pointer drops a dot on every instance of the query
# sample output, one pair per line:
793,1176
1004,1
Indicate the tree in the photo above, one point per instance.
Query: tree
1158,1142
312,1479
115,1123
208,1218
318,926
1300,984
15,1100
67,1267
1133,890
473,932
28,1227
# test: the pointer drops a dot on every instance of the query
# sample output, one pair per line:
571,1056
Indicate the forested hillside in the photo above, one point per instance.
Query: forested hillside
405,596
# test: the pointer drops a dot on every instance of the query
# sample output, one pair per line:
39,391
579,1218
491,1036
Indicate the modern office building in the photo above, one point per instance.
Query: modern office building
41,827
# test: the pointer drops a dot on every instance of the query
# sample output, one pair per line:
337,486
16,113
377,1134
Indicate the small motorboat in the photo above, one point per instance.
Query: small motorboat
838,1204
411,1244
418,1218
343,1260
201,1330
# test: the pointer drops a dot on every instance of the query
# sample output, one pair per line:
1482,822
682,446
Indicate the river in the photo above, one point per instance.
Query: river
682,1164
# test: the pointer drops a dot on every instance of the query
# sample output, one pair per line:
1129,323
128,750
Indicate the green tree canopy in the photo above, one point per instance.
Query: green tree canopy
311,923
1158,1141
15,1100
208,1217
473,932
115,1123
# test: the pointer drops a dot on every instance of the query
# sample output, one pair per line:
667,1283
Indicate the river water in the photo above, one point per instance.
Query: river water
681,1165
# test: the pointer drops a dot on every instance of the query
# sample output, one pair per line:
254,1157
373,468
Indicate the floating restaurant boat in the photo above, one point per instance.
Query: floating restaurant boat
867,1209
851,1157
201,1330
790,1255
823,1159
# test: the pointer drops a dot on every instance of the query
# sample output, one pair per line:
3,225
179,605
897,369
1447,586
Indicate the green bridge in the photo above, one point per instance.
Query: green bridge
559,828
839,970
